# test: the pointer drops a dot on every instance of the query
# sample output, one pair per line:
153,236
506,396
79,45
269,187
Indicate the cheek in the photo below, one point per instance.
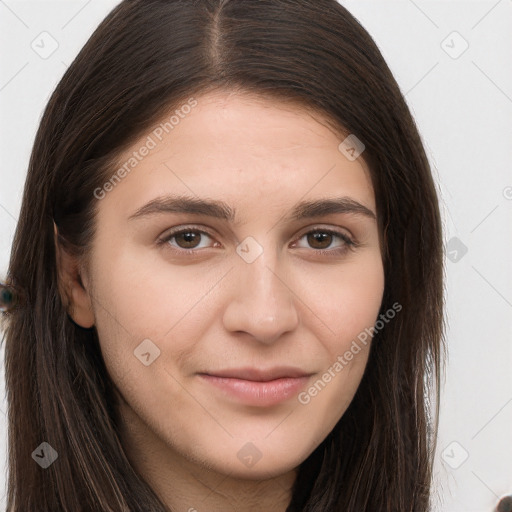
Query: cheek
142,292
351,309
138,295
346,299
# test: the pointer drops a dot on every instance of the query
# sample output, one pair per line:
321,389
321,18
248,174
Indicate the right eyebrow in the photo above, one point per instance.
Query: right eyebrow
184,204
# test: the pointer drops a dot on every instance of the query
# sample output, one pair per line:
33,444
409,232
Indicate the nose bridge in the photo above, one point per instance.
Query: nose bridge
262,303
266,292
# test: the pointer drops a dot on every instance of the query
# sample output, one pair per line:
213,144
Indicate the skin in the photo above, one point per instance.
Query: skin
290,306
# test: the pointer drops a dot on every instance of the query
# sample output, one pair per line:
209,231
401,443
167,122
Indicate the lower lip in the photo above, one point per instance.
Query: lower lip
258,393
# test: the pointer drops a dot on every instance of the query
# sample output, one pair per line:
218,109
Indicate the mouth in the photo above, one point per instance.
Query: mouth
257,387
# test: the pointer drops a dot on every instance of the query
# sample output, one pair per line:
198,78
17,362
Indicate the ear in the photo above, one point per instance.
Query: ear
74,294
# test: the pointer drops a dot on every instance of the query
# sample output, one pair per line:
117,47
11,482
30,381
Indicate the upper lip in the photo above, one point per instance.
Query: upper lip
260,375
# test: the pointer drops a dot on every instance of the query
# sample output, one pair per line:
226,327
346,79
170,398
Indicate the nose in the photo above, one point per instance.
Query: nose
262,301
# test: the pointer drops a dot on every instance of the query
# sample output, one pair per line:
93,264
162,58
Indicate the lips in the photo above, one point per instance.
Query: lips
260,375
257,387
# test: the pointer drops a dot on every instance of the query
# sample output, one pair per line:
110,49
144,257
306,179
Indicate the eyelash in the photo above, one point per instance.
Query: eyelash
349,244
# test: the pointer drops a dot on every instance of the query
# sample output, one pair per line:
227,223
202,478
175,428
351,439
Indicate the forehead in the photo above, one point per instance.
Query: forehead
234,146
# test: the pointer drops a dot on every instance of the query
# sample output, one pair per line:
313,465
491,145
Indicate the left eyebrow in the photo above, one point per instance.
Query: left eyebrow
221,210
320,207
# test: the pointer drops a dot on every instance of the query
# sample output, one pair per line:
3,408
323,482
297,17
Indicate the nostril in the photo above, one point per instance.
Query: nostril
505,504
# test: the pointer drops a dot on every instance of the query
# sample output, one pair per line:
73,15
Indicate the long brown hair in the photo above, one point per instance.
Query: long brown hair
142,61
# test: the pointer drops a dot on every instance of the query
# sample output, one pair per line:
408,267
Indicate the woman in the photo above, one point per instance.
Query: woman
229,267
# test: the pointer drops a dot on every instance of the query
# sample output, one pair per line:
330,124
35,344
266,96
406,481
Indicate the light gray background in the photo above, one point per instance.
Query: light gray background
462,103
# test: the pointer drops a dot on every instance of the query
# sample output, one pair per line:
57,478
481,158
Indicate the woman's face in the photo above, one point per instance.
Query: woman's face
229,344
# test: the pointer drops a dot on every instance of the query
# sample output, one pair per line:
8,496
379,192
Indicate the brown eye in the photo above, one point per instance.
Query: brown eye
188,239
326,242
319,239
